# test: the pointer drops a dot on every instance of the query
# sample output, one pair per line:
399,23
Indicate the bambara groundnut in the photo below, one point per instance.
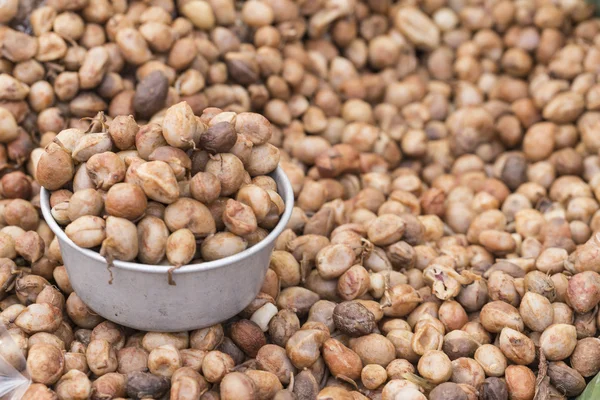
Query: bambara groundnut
446,177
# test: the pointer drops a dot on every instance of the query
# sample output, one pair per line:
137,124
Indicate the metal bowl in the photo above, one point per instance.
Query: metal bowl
140,296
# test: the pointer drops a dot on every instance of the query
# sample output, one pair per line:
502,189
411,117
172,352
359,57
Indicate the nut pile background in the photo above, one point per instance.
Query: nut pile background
444,158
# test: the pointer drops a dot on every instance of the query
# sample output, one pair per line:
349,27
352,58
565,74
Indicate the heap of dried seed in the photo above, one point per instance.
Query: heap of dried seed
444,159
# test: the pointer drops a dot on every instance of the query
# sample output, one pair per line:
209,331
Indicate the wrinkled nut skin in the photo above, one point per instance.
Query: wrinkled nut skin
123,130
74,385
101,357
111,385
253,126
448,390
216,365
39,391
45,363
39,318
229,170
353,319
190,214
180,128
177,159
239,218
517,347
105,169
164,361
158,181
148,138
561,375
55,167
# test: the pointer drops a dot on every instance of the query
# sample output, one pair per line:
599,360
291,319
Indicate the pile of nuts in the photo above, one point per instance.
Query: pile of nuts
175,181
444,156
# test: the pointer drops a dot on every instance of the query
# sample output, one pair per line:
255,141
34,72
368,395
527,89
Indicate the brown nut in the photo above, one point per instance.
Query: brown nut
517,347
74,385
248,337
353,319
158,181
45,363
144,384
218,138
152,239
101,357
229,170
221,245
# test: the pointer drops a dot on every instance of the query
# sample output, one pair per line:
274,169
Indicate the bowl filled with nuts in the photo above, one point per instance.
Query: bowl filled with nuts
170,225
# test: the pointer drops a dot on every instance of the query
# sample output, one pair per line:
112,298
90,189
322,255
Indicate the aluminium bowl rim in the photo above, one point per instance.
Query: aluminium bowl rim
283,185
